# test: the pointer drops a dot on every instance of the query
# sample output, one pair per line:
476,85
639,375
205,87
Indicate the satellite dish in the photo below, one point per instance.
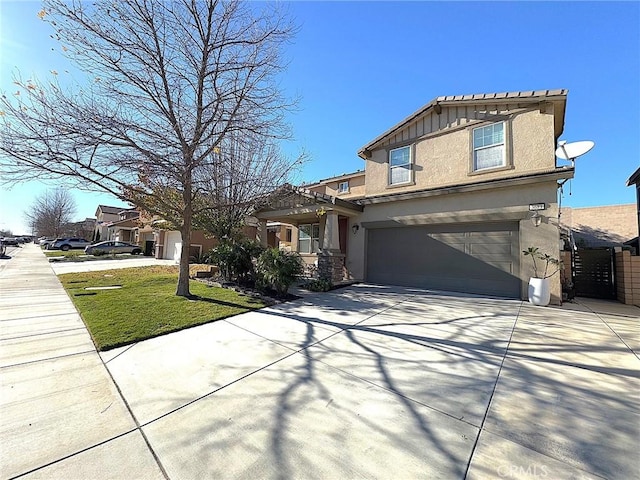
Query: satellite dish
571,151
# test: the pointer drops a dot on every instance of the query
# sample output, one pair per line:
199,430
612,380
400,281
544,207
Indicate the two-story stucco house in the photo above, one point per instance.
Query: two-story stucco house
105,216
445,200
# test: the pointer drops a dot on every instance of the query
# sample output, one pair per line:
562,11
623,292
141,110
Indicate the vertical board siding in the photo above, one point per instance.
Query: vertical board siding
451,117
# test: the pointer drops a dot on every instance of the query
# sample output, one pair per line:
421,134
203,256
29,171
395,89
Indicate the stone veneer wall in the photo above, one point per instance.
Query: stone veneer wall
331,267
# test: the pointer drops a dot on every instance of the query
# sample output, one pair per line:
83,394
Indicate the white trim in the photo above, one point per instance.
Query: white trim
502,146
391,167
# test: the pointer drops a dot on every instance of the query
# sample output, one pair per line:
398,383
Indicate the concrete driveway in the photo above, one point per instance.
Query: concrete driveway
361,382
379,382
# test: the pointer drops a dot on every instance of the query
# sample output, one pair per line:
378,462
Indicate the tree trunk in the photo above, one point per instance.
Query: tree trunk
183,276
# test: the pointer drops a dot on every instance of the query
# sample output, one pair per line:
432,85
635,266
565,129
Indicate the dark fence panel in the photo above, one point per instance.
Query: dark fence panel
594,273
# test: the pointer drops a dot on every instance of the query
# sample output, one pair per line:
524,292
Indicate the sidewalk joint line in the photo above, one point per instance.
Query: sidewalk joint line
75,312
493,392
42,333
201,397
133,417
47,359
66,457
610,328
129,347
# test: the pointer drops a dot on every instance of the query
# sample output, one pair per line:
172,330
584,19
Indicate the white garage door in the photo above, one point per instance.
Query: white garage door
172,246
472,258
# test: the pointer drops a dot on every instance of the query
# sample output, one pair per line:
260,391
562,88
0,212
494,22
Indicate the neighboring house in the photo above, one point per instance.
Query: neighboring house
105,215
168,244
604,226
125,228
83,229
152,234
446,202
348,186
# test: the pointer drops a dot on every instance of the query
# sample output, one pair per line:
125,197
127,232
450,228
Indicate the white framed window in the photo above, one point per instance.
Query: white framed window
309,238
400,165
343,187
488,147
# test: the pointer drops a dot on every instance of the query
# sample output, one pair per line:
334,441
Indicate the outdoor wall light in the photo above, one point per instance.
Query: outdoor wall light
354,228
536,219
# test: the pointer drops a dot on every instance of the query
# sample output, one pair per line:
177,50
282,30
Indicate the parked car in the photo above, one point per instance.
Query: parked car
65,244
102,248
10,241
45,241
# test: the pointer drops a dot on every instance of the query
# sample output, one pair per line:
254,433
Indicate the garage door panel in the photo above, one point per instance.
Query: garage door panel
448,237
467,258
504,266
490,249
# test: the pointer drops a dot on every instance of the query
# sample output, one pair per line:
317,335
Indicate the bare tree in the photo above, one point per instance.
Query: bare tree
244,167
51,212
169,82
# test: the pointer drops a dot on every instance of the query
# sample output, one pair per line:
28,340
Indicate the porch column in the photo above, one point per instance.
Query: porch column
331,238
262,233
330,259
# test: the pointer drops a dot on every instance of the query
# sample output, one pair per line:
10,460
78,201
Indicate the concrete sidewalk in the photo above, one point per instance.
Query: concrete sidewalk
362,382
62,415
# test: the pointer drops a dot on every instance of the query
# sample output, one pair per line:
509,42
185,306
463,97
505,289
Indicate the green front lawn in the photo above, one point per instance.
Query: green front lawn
146,306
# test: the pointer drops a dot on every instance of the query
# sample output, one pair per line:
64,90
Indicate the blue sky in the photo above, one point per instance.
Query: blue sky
360,67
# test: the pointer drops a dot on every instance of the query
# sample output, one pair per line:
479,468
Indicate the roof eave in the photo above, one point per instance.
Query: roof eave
559,173
533,97
634,178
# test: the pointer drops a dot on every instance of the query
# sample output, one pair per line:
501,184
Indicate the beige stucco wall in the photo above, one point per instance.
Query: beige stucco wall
497,205
356,187
330,186
602,226
443,158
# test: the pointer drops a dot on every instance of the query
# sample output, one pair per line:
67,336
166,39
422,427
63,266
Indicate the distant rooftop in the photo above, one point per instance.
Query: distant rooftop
337,177
113,210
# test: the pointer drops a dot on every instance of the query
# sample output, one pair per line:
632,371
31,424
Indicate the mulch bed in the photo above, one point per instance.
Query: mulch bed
269,297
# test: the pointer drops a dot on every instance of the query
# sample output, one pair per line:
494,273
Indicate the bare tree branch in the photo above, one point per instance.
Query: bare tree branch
168,83
51,212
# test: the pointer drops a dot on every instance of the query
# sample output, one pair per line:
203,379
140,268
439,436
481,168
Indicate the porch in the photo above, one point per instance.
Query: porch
315,225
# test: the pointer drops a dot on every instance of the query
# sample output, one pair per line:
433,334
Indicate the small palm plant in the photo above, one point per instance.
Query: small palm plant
278,269
534,253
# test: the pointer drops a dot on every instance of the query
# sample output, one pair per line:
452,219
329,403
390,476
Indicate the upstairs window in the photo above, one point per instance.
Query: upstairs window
309,238
400,165
343,187
488,147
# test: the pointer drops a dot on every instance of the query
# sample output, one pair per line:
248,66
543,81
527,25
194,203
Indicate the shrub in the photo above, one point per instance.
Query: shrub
534,253
235,259
202,257
318,285
277,269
